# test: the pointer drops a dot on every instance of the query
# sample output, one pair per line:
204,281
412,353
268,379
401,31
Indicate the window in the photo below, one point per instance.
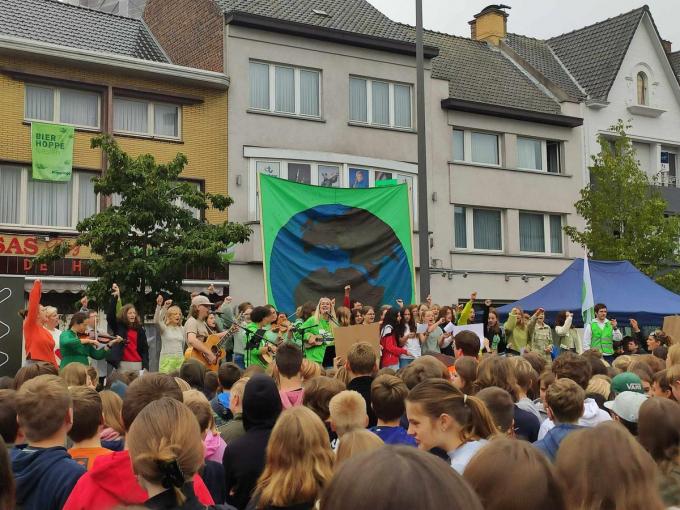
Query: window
532,233
484,148
483,226
285,89
553,157
27,202
529,154
642,89
139,117
78,108
195,212
458,145
380,103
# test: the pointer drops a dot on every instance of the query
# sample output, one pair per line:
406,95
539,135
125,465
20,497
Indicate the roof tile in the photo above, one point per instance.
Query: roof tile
675,62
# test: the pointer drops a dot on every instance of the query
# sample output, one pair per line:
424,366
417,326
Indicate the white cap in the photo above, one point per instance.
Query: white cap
627,405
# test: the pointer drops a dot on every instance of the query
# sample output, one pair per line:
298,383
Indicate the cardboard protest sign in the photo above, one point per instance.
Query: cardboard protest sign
346,337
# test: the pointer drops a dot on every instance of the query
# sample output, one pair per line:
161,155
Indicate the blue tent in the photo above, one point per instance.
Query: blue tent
627,292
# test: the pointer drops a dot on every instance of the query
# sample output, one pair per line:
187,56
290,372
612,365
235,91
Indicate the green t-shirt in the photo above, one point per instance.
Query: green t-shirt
313,326
252,356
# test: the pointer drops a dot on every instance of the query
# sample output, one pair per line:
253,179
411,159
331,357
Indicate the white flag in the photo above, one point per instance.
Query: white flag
587,300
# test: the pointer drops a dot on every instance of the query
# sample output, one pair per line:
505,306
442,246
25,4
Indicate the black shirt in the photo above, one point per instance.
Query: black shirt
362,384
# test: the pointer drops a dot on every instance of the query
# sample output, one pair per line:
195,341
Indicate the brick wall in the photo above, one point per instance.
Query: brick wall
204,125
191,33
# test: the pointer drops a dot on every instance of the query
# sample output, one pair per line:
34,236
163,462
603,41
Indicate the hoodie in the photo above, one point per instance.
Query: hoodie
592,416
214,446
244,457
292,398
551,442
44,477
111,482
220,407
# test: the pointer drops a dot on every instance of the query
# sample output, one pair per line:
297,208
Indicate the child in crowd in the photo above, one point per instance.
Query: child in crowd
75,374
227,374
626,381
112,435
44,472
442,416
289,364
525,376
111,481
88,422
388,395
533,484
164,442
546,378
213,443
466,343
673,375
299,463
356,442
318,394
361,365
347,412
564,401
501,407
9,429
465,374
625,409
234,428
661,386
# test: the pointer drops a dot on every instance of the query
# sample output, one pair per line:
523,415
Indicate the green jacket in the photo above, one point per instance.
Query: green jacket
72,351
313,326
540,339
464,316
516,338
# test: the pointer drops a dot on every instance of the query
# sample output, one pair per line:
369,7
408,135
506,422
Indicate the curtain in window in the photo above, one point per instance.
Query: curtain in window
458,145
381,103
402,106
358,100
531,233
529,154
309,93
459,227
484,148
555,233
285,89
259,86
87,199
131,116
39,103
487,229
642,88
10,193
49,203
79,108
166,120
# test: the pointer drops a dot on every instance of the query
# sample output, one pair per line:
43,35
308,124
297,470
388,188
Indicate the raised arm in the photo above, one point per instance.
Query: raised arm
34,302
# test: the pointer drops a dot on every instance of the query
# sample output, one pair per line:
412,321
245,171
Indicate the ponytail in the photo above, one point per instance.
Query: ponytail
438,397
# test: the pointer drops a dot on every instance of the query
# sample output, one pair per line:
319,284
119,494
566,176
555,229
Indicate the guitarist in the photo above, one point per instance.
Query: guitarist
196,330
260,341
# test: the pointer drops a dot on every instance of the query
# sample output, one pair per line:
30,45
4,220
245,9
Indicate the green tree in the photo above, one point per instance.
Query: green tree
625,213
146,242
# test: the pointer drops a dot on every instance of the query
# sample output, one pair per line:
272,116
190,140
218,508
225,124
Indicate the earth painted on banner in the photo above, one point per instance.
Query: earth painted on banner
324,248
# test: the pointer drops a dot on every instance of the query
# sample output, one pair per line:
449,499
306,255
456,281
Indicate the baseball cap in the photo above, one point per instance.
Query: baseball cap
627,405
626,381
201,300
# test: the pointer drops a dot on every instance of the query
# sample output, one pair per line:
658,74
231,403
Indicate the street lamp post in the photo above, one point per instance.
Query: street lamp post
423,228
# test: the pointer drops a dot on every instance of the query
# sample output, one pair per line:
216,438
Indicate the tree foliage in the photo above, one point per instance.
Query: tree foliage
625,214
145,243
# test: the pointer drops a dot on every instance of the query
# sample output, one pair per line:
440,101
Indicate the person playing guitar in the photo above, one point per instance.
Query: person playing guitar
317,330
260,341
196,330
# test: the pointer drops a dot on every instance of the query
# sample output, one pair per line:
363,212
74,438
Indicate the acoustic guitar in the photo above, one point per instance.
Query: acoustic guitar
214,343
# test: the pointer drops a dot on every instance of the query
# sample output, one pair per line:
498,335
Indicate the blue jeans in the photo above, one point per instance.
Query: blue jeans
240,361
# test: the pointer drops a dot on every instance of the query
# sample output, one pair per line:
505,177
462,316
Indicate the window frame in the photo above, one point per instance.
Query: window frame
23,224
271,66
547,234
645,88
56,106
467,147
391,104
470,231
150,119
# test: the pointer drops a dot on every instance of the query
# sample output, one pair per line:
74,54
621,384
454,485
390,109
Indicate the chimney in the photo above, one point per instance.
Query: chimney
491,24
667,45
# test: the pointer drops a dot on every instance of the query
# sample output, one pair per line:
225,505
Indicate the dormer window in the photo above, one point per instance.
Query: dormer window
642,89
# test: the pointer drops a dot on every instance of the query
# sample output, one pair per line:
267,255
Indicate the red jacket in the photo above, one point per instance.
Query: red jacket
390,350
39,341
111,483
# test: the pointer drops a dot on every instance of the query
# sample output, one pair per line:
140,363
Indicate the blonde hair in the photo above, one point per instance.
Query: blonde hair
299,461
348,412
344,315
673,358
74,374
623,362
49,310
331,311
309,370
600,386
112,406
356,442
171,310
166,432
183,385
200,406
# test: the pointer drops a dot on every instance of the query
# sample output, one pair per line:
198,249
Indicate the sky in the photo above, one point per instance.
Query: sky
534,18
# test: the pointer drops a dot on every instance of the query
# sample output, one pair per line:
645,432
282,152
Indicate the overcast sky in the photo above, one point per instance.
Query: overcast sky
534,18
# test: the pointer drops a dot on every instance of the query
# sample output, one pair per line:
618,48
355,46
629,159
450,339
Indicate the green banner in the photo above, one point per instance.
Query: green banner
318,239
52,151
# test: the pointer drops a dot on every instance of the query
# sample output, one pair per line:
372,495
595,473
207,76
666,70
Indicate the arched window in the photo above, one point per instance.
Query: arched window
642,89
